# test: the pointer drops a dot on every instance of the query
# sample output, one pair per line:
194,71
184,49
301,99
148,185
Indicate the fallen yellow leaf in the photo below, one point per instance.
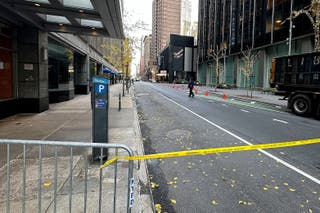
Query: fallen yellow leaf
158,208
292,189
265,188
173,201
47,184
286,184
214,202
175,178
154,185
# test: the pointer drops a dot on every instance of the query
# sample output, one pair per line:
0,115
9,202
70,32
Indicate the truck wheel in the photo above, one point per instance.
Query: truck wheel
301,105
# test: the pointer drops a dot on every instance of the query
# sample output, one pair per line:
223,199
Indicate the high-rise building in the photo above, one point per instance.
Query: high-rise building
146,62
166,20
261,26
185,18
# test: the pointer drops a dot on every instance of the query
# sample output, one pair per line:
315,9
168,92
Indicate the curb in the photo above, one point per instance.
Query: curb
142,164
249,100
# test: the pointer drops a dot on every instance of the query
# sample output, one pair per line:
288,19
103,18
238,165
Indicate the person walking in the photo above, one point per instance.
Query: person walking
190,86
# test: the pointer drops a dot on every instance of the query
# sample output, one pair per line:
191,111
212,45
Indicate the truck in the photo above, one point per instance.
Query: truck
298,78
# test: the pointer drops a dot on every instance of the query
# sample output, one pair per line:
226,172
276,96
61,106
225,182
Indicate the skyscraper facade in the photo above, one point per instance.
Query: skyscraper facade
146,66
263,26
186,28
166,20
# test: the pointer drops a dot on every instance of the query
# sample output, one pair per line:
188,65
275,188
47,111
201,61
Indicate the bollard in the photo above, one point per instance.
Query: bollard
119,101
123,88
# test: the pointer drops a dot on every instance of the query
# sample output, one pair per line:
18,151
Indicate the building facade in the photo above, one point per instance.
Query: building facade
176,60
166,20
186,25
42,57
147,61
235,26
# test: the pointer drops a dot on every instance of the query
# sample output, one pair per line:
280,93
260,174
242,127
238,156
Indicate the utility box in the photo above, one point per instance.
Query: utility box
100,106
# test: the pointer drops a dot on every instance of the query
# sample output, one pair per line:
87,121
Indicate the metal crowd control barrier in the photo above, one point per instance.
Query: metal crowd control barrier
43,192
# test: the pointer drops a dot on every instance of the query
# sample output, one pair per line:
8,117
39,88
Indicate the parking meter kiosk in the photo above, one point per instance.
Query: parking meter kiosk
100,106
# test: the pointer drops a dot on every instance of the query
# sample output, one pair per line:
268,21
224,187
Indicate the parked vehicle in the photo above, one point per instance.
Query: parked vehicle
299,77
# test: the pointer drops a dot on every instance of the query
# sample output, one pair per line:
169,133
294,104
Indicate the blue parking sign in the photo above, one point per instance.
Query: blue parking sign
101,89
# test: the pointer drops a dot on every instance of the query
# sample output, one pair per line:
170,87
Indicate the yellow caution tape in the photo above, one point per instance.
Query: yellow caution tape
210,151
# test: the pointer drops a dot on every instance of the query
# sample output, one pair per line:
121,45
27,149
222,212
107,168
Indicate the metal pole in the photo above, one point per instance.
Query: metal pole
254,22
119,101
272,24
242,25
123,86
290,28
224,62
230,27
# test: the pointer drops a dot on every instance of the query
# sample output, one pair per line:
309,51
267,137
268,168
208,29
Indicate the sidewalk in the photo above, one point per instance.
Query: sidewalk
260,97
71,121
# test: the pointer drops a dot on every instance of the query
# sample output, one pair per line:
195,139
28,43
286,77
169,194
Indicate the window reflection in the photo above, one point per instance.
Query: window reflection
61,63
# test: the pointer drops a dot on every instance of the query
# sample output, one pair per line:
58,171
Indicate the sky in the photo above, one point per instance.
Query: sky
142,10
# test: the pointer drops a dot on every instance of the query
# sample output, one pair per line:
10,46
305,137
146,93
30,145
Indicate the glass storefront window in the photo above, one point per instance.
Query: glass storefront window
61,66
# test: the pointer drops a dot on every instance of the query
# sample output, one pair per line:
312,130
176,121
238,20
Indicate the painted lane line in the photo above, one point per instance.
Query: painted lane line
242,110
280,121
310,177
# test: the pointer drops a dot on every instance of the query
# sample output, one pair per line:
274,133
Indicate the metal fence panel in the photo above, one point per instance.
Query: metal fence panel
55,176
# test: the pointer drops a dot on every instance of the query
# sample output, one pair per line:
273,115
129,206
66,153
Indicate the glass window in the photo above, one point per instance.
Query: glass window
58,19
6,78
61,66
91,23
55,19
85,4
40,1
281,26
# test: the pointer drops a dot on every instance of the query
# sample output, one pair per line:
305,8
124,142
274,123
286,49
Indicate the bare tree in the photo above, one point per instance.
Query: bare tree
249,59
312,11
217,54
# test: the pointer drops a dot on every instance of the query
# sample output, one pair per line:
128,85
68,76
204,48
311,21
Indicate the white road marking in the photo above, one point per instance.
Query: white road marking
244,110
281,121
310,177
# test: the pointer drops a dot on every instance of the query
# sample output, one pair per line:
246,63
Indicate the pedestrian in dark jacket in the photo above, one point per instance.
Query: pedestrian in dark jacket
190,86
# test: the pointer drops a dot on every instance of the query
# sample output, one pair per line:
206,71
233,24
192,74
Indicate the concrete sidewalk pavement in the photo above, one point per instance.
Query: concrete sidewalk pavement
260,97
71,121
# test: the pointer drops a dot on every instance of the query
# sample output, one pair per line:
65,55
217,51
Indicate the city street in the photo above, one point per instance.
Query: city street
275,180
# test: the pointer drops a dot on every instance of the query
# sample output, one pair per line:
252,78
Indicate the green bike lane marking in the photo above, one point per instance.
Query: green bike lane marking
241,103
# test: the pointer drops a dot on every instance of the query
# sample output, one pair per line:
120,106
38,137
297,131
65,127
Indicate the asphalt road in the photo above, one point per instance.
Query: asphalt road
279,180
